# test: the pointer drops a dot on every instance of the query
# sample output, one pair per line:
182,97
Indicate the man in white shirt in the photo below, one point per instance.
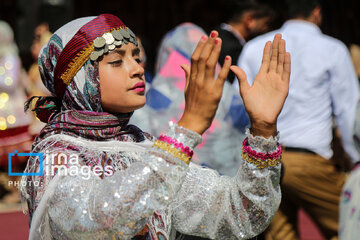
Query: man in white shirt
246,19
323,84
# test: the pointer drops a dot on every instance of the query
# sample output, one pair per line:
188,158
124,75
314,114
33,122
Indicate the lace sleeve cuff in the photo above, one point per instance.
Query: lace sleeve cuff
260,151
261,144
183,135
178,142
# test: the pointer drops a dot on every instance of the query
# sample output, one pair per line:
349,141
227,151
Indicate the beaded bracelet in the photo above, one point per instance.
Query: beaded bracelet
177,145
261,160
172,150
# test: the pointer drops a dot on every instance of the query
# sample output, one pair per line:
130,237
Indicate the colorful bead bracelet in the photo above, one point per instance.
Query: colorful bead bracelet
172,150
261,160
177,145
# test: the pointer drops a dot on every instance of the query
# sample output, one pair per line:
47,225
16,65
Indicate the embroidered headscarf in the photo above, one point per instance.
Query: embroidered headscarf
69,71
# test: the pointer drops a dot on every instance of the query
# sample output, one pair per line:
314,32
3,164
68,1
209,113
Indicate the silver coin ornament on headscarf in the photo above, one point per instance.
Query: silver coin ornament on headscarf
110,40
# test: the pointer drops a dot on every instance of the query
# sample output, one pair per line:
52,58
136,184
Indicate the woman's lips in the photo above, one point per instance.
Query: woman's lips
138,87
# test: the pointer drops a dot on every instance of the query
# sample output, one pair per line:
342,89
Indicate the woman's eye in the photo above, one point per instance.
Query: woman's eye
138,60
116,63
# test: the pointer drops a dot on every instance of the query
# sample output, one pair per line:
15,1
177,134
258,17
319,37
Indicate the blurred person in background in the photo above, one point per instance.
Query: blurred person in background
349,228
35,86
165,100
41,37
355,56
323,85
14,122
246,19
349,225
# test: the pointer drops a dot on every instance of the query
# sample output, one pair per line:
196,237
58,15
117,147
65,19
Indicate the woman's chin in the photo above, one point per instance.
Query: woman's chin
118,109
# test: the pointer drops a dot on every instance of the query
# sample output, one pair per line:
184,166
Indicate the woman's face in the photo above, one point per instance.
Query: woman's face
122,82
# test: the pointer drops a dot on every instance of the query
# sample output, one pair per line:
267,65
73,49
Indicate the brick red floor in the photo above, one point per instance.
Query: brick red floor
14,226
308,230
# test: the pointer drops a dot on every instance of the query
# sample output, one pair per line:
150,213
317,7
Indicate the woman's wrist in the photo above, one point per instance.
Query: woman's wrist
193,123
263,129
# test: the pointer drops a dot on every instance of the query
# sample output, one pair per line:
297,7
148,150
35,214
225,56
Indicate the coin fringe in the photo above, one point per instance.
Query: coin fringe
76,64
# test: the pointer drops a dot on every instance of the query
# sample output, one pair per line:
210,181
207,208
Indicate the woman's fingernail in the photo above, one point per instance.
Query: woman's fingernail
216,41
227,58
204,38
212,34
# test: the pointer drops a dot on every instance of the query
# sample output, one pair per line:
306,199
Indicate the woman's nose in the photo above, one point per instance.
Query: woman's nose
137,70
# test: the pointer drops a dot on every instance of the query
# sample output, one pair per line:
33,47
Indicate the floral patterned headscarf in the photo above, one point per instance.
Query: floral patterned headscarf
73,79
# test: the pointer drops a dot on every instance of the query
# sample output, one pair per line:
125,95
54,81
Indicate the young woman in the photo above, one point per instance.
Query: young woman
140,187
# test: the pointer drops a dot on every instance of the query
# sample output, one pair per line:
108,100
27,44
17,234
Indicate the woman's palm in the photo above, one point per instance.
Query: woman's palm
265,98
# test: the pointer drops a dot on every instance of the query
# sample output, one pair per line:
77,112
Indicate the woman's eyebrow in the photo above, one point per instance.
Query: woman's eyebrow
136,52
118,51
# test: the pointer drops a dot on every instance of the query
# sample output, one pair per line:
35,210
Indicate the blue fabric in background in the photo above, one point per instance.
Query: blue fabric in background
237,114
157,100
148,77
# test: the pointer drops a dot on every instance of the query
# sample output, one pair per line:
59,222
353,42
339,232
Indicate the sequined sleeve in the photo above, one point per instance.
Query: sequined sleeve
220,207
87,207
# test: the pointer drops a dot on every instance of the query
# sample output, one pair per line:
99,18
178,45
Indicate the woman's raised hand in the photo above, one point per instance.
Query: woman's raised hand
203,92
265,98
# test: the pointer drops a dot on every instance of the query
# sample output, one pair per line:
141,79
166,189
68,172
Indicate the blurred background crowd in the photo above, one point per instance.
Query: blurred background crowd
151,19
